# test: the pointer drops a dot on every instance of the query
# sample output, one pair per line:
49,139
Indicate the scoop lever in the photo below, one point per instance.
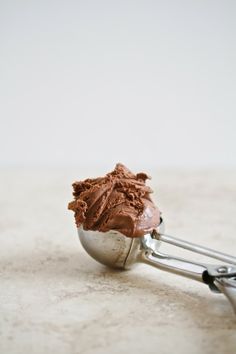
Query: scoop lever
220,278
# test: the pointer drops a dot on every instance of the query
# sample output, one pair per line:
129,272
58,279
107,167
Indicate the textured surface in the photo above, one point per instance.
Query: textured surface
118,201
55,298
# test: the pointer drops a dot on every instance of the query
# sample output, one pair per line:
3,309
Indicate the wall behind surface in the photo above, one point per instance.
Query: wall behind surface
148,83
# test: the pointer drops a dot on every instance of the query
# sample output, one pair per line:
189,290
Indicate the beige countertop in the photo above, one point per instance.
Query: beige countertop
55,298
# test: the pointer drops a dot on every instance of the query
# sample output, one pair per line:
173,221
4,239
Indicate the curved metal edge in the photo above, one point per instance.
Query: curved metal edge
228,287
110,250
140,244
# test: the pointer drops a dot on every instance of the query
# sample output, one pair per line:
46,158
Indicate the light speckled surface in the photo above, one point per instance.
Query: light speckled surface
55,298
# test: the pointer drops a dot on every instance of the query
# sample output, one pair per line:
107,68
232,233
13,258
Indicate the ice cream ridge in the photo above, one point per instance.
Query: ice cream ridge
119,201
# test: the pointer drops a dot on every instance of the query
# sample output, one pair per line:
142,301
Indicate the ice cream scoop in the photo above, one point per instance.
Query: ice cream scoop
119,225
118,251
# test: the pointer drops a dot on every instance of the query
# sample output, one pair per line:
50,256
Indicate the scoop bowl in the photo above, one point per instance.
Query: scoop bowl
113,249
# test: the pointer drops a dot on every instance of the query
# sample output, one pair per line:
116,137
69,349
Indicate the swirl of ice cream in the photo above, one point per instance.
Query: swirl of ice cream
119,201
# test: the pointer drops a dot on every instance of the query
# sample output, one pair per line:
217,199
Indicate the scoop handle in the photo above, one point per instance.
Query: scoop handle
171,264
194,247
225,285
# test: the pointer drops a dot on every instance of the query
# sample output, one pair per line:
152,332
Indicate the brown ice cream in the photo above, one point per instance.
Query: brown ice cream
119,201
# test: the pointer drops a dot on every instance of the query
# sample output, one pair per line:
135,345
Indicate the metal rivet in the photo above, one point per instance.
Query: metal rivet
222,270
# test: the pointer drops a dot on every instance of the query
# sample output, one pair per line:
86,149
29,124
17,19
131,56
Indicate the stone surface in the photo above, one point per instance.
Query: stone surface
55,298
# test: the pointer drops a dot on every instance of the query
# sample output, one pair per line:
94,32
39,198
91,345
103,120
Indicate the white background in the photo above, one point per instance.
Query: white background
90,83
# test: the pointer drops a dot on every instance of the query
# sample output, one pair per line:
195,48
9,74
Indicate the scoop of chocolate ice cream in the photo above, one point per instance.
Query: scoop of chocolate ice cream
119,201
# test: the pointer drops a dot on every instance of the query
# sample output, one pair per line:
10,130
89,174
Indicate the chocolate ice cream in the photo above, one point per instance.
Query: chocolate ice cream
119,201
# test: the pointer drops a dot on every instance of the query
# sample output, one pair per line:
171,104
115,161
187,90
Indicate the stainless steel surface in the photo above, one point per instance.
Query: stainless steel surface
118,251
110,249
228,287
172,264
194,248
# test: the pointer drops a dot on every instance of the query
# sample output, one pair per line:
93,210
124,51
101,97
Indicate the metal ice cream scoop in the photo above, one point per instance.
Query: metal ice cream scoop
118,251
